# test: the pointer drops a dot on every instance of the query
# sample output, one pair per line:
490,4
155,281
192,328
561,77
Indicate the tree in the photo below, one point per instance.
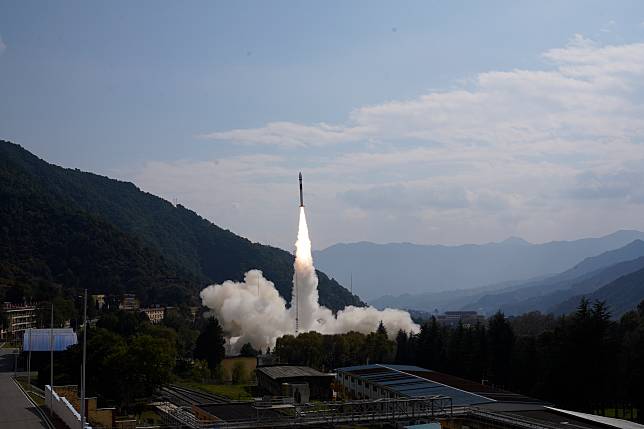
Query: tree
500,345
239,373
210,344
247,350
402,347
200,371
379,348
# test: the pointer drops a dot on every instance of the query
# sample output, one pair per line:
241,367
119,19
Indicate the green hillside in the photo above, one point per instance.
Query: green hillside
189,247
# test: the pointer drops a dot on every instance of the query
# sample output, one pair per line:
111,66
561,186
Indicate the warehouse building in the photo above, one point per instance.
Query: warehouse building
275,380
476,406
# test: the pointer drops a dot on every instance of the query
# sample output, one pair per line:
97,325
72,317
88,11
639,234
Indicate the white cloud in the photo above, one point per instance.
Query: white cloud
3,46
289,134
534,153
587,92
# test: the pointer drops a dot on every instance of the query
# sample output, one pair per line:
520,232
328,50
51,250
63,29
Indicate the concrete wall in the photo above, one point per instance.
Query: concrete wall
63,408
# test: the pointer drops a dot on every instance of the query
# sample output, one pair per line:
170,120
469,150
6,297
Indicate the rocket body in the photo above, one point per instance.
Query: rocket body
301,196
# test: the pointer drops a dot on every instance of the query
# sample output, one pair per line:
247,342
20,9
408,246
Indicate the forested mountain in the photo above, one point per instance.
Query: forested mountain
621,295
187,246
410,268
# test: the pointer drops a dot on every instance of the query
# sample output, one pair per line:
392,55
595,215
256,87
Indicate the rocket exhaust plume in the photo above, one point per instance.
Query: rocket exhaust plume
261,318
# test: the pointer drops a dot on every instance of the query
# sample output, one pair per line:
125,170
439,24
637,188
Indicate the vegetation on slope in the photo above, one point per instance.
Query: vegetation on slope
201,251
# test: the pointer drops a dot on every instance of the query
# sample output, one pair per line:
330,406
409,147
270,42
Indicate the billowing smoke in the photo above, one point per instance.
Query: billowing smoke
253,311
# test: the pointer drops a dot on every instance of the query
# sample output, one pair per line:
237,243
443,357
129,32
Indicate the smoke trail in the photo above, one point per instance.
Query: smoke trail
253,311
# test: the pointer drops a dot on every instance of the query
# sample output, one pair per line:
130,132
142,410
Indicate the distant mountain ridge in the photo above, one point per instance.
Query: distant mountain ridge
546,294
196,247
377,269
586,277
621,295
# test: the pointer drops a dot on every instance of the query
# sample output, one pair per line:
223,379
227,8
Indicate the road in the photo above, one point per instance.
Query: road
15,409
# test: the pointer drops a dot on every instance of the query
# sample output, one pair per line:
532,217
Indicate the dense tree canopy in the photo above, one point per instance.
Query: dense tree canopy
210,344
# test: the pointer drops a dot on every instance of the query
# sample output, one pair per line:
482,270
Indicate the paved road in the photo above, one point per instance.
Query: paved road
15,409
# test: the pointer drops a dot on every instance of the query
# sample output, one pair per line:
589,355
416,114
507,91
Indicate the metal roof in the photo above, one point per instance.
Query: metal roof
288,371
405,381
235,411
605,421
38,340
406,376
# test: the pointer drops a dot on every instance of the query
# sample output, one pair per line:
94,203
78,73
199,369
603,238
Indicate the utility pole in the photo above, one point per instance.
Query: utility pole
51,360
82,404
29,361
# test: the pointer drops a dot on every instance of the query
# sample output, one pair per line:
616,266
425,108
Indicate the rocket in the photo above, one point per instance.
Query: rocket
301,197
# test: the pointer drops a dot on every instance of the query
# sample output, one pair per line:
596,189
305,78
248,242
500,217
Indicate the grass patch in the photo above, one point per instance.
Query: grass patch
150,417
231,391
36,398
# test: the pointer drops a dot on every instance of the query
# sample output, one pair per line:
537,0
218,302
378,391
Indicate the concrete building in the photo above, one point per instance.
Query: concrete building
99,300
467,318
129,302
19,318
155,314
275,380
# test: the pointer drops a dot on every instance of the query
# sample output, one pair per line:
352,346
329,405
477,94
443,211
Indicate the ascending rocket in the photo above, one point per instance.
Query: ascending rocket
301,197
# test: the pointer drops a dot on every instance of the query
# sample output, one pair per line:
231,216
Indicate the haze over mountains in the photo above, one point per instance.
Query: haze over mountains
379,269
615,276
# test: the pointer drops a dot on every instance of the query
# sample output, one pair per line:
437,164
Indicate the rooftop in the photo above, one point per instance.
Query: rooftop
235,411
413,381
288,371
38,340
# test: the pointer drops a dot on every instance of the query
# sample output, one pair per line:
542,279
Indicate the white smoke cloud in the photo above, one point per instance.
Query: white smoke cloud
253,312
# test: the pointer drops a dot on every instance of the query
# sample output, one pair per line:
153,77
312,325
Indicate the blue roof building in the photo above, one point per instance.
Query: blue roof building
399,381
38,340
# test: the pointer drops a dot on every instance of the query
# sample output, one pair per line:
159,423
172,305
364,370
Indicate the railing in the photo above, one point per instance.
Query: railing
351,412
511,420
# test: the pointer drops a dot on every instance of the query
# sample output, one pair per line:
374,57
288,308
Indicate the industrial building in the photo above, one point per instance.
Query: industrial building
275,380
475,406
398,381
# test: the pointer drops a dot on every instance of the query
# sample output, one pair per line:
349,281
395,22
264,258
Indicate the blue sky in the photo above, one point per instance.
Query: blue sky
430,122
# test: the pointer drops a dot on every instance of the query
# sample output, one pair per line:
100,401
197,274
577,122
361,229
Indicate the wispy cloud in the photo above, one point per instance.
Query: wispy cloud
588,92
3,45
539,153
